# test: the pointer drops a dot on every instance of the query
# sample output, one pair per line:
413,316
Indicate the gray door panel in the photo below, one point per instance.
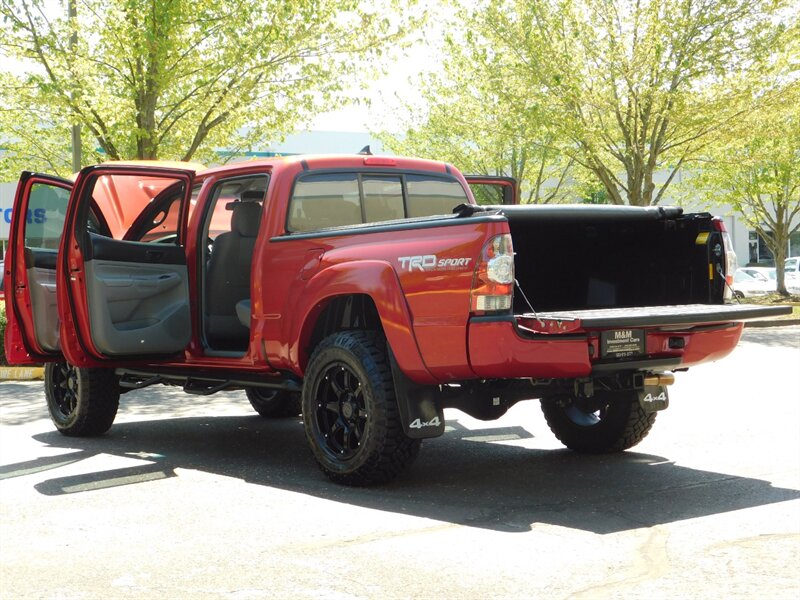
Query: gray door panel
36,229
42,285
138,308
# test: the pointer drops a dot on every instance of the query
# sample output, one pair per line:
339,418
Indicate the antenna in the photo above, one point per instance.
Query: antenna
365,150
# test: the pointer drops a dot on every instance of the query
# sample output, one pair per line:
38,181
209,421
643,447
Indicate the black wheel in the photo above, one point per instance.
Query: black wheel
350,413
81,402
274,404
607,422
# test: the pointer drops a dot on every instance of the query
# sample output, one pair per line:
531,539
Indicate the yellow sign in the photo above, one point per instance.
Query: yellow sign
20,373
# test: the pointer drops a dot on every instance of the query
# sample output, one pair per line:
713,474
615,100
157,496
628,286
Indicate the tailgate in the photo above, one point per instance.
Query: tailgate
647,316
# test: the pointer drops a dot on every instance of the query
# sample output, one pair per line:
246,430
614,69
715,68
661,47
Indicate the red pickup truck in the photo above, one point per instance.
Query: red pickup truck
367,293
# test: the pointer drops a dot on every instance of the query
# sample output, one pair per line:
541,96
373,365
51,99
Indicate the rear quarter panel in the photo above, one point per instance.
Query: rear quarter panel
419,278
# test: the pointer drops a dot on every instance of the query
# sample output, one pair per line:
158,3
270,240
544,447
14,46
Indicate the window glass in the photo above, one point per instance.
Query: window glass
487,194
47,208
319,201
759,251
383,198
794,244
429,196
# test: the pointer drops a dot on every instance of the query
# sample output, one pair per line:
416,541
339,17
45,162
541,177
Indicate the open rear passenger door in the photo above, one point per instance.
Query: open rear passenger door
127,299
493,190
40,206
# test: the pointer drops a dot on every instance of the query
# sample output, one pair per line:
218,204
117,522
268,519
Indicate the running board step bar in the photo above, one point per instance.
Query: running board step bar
205,385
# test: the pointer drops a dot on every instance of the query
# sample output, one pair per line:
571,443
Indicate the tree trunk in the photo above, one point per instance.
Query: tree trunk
781,240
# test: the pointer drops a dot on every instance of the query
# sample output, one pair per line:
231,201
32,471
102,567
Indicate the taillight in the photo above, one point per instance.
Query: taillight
493,281
730,256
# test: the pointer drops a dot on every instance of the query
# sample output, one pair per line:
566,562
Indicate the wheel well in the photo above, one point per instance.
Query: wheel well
344,313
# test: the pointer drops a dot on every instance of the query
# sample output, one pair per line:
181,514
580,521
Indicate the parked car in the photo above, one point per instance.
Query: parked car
791,279
762,273
746,285
2,279
791,267
767,275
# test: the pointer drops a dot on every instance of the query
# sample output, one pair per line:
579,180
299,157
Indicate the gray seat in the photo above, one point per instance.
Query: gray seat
228,278
243,312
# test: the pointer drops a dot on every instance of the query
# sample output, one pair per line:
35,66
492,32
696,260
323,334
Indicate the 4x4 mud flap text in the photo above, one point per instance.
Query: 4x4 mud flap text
420,413
653,398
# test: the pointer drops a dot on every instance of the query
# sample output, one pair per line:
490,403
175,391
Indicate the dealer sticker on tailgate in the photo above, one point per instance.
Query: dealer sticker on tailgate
622,343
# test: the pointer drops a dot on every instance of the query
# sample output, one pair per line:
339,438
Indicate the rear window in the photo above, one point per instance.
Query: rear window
320,201
428,196
327,200
382,198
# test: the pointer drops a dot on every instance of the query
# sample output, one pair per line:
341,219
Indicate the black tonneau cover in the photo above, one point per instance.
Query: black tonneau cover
654,316
588,212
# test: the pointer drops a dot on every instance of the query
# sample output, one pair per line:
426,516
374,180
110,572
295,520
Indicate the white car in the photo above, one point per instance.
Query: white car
792,279
746,285
791,267
766,274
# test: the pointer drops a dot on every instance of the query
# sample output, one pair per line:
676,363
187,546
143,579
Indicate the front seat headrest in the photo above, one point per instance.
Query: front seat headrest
246,218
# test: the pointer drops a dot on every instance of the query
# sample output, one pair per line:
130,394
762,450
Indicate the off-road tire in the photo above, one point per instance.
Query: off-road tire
350,412
274,404
609,422
81,402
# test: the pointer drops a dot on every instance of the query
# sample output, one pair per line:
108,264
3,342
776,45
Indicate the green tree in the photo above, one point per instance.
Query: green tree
756,169
472,119
632,89
175,79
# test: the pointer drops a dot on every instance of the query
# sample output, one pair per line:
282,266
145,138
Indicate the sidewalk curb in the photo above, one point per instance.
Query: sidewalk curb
773,323
21,373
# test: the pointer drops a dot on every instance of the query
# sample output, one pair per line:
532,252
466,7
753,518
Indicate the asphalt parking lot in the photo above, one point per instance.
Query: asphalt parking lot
193,497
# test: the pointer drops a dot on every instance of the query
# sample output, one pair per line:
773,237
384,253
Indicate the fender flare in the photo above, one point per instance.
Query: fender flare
376,279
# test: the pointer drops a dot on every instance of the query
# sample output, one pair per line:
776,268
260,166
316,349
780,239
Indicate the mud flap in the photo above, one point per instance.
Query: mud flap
653,398
420,413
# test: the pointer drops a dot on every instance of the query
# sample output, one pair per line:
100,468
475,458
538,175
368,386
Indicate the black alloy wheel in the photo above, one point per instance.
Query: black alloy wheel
81,402
341,413
350,412
64,386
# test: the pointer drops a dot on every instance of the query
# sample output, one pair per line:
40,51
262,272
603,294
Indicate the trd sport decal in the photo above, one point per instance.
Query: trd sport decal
429,262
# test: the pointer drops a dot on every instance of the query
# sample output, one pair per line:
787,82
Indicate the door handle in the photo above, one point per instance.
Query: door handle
154,254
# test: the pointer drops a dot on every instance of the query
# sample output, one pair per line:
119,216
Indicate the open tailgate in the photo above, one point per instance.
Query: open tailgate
686,315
